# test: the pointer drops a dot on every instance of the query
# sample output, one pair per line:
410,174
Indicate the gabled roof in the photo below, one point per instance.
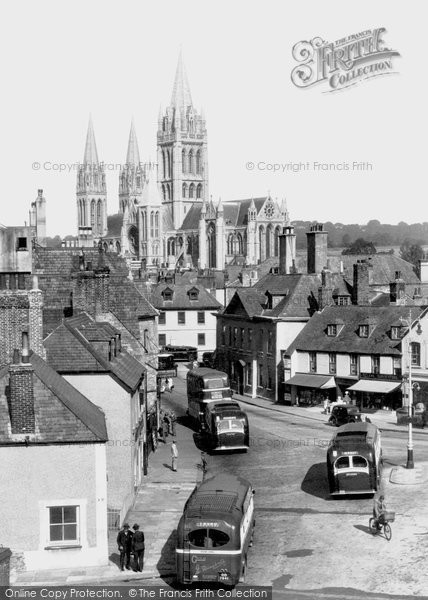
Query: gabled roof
246,302
62,413
313,336
70,349
181,298
235,213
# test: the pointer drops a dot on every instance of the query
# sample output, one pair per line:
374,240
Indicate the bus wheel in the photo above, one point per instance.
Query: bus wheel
243,572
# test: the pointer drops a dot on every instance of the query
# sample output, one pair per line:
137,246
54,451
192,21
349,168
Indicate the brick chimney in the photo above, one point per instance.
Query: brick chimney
91,290
21,391
361,287
325,292
397,290
35,297
287,250
316,248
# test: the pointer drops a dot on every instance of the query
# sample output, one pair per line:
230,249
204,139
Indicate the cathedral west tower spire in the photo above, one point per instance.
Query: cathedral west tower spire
131,177
182,151
91,192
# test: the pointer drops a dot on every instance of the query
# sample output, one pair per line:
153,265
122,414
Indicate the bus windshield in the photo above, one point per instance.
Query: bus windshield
212,384
230,425
208,538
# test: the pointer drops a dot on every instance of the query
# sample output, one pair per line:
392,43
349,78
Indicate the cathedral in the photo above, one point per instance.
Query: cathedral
165,215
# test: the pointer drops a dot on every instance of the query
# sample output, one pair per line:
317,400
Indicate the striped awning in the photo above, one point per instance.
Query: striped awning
375,386
312,381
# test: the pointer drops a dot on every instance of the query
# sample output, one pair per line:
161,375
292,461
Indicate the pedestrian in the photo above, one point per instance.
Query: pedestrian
165,428
169,384
138,547
124,544
204,464
174,455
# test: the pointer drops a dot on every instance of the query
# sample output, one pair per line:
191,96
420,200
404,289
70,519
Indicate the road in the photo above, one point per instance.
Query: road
304,539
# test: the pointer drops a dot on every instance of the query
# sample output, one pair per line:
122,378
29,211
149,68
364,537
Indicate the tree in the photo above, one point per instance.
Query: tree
412,253
360,246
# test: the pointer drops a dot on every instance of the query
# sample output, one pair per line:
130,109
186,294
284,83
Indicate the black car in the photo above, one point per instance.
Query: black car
346,413
186,353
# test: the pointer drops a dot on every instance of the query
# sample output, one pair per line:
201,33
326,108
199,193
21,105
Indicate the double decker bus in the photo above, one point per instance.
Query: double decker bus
226,426
215,532
354,459
205,385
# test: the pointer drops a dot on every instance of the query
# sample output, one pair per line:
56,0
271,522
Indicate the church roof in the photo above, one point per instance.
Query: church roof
181,97
235,213
133,154
91,155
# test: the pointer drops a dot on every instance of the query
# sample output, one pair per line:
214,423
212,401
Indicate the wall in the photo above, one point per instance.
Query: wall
11,259
34,477
187,335
104,392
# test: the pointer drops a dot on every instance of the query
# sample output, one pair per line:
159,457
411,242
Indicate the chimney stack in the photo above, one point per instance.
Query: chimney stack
325,292
397,290
21,391
316,248
361,287
287,250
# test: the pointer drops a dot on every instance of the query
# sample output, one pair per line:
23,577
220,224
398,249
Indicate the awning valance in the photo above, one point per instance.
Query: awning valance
312,381
376,386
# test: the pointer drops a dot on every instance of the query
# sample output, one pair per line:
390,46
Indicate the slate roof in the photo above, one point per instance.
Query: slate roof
70,349
384,268
181,299
314,338
62,413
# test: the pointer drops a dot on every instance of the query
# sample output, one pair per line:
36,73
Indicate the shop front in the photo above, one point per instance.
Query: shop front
308,390
377,394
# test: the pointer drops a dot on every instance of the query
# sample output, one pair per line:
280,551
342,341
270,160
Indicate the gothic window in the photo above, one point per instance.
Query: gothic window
83,212
230,244
171,247
138,181
262,243
268,241
93,213
191,161
184,190
152,224
144,225
99,220
169,163
163,192
235,249
163,164
118,247
157,224
191,190
199,190
168,191
183,161
239,242
198,161
191,126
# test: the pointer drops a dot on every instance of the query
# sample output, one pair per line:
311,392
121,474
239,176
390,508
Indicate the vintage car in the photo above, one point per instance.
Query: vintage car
186,353
346,413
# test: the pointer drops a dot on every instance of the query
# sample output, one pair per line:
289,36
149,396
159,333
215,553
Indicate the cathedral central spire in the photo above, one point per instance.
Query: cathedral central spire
133,154
91,155
181,97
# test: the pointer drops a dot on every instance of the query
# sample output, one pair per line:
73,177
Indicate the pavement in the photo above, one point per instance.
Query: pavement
161,498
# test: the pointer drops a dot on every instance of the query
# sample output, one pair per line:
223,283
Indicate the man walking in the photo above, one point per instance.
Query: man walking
174,455
124,544
138,547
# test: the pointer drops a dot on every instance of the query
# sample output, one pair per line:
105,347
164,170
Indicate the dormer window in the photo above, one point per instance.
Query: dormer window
395,333
343,300
193,294
363,331
167,294
332,330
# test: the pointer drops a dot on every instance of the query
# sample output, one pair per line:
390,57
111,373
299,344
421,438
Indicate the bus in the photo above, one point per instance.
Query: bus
215,532
354,459
225,426
205,385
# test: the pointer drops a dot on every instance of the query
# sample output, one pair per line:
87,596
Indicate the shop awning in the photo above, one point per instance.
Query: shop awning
376,386
312,381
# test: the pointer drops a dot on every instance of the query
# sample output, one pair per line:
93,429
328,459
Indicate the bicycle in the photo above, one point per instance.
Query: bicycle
377,526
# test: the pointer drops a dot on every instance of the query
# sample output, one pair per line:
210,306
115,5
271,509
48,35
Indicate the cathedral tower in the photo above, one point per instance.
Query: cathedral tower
91,193
131,177
150,218
182,151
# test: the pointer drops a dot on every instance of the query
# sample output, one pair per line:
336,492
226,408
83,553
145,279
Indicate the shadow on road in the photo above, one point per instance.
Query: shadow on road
364,529
166,562
315,482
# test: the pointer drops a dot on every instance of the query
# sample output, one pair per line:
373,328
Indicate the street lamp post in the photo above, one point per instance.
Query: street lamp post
408,322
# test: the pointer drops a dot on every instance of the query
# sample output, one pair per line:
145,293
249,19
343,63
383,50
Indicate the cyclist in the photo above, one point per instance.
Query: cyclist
379,508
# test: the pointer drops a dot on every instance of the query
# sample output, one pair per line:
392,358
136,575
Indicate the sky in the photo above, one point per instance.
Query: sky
117,60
